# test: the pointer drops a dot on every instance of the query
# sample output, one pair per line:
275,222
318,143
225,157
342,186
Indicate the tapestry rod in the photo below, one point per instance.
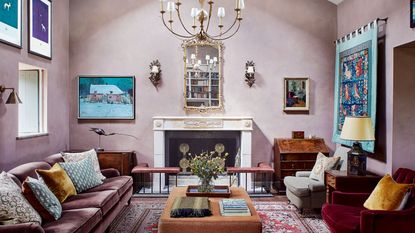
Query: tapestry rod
360,30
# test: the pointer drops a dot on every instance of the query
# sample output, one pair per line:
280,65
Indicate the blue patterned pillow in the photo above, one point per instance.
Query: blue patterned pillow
45,197
82,174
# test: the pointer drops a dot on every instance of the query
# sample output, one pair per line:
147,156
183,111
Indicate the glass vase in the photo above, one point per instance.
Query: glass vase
206,185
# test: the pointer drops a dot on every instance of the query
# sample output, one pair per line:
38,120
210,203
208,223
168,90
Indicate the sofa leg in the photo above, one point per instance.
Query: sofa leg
129,202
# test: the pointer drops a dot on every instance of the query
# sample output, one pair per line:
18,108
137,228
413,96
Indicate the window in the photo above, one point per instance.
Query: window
32,92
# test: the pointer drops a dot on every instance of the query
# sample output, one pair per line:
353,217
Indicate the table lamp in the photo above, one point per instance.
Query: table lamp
357,129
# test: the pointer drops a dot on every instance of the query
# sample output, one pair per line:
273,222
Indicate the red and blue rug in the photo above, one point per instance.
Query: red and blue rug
142,217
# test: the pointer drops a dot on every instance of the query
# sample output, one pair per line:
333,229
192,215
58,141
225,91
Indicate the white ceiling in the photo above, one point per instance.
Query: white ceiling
336,1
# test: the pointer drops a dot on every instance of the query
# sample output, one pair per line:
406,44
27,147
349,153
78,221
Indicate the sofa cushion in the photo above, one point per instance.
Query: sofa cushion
14,205
82,174
341,218
6,182
44,197
104,200
298,185
322,164
76,157
76,220
58,182
121,184
28,169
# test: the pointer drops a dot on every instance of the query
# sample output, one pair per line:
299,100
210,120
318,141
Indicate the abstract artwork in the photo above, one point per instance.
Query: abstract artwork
355,85
40,28
296,94
104,97
11,22
412,14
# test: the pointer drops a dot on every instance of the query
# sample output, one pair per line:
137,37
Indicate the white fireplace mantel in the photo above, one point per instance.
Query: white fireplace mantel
161,124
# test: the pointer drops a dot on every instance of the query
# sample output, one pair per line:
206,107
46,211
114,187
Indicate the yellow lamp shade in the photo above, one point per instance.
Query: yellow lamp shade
358,129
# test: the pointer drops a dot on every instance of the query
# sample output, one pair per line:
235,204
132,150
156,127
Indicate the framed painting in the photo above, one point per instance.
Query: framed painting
296,94
11,22
412,14
106,97
40,28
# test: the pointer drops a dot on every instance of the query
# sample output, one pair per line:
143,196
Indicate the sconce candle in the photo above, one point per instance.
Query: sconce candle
155,73
250,73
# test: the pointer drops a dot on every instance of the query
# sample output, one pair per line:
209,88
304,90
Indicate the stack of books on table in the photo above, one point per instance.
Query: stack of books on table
234,207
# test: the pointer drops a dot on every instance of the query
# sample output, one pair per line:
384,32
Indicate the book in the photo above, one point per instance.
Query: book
223,212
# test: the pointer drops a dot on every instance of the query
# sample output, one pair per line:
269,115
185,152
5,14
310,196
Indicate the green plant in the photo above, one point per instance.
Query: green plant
207,166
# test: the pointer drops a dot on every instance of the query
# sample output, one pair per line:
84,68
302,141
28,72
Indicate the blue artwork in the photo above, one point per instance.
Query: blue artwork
40,21
9,12
355,81
106,97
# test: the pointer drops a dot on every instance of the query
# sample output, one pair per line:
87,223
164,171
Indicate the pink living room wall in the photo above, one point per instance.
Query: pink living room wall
15,152
284,39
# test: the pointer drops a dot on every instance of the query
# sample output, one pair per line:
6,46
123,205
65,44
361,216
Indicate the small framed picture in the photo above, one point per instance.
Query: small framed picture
40,28
296,95
297,134
106,97
11,22
412,14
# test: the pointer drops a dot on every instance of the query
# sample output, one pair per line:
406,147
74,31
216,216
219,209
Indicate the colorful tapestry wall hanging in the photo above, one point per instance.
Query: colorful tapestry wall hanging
355,81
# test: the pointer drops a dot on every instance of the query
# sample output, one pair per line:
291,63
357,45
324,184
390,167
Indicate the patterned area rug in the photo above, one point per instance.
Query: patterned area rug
142,217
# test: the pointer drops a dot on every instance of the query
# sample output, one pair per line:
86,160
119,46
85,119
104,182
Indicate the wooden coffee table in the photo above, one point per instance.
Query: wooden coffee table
212,224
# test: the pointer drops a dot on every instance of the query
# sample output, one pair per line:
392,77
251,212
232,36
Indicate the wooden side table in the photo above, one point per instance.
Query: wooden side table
120,160
339,181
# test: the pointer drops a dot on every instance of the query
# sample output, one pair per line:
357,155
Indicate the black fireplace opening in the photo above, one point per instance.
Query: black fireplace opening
199,142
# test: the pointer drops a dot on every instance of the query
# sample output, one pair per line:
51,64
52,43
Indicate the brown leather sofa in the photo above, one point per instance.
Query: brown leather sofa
90,211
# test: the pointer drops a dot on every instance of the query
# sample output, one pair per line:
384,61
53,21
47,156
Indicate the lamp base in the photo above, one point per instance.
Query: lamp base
356,160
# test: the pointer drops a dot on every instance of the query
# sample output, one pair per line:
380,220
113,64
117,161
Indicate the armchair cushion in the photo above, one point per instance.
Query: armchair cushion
303,174
316,186
387,195
341,218
350,199
298,185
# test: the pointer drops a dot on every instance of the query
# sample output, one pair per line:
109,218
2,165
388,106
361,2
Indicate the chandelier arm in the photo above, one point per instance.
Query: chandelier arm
174,33
210,16
181,22
233,24
237,29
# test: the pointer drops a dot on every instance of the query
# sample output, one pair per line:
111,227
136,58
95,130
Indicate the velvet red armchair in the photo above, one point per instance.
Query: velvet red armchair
347,215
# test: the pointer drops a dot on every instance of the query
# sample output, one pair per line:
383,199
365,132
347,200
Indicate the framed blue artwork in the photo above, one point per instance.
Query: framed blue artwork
40,28
106,97
412,15
11,22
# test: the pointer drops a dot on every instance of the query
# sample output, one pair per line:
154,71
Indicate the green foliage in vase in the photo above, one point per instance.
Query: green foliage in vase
208,166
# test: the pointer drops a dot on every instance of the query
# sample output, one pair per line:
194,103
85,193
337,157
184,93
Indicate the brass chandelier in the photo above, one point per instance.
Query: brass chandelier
203,17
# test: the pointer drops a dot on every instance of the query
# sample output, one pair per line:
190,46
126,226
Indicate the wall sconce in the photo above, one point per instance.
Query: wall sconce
13,97
155,73
250,73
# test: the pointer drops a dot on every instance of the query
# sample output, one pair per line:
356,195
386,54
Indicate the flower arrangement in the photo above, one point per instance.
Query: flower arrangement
207,166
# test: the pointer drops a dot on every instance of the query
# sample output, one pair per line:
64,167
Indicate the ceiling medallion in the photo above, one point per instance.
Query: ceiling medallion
203,17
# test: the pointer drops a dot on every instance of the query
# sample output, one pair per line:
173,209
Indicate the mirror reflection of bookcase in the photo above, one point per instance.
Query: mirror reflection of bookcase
202,79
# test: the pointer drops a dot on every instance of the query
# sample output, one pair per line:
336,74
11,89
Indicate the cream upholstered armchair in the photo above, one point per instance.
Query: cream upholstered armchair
306,190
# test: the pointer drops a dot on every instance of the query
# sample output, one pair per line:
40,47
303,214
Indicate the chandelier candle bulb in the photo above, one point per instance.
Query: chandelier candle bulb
162,5
241,5
250,70
215,59
211,61
208,57
155,69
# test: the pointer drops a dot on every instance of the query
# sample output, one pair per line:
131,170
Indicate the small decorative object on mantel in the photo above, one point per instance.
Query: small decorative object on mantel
250,73
357,129
412,15
101,132
297,134
207,167
155,73
296,95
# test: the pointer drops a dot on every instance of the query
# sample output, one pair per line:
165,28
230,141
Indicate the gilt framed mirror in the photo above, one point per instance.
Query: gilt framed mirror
202,75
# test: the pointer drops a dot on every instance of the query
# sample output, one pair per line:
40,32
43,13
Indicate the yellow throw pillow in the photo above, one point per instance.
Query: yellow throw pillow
387,195
58,182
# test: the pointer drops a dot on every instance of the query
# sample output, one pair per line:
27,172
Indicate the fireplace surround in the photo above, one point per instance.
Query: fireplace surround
164,125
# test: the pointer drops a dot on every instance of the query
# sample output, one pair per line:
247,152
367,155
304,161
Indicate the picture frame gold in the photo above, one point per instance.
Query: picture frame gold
296,95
